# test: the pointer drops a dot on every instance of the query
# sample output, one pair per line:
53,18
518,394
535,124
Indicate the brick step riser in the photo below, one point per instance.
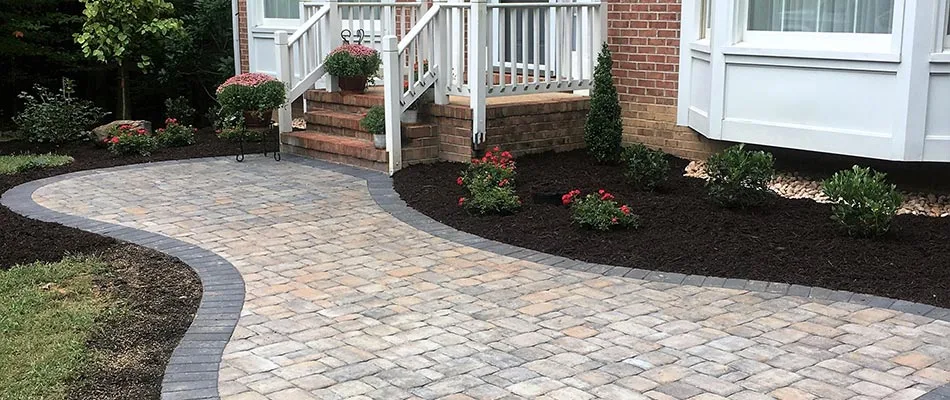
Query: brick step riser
349,99
318,105
351,127
334,158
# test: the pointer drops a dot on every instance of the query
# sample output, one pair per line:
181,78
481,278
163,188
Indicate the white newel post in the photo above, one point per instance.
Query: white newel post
441,61
478,68
392,91
333,39
284,116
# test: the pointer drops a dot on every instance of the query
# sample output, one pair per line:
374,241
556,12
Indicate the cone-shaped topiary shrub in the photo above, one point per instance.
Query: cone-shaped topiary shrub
603,131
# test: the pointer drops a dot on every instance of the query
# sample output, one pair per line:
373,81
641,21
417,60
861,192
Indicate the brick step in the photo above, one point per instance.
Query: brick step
356,152
347,124
372,97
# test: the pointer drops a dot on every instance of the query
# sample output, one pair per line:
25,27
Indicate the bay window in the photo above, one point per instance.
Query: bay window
830,16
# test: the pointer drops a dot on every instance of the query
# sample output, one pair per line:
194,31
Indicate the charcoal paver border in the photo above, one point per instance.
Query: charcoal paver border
205,349
192,370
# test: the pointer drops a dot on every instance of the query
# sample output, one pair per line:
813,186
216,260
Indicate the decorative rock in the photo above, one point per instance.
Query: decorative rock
102,132
793,186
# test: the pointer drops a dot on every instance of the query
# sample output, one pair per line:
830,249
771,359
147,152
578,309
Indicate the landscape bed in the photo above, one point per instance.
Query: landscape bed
681,230
158,295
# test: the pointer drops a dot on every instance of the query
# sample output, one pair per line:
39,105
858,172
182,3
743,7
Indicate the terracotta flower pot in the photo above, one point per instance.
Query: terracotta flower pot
353,83
255,120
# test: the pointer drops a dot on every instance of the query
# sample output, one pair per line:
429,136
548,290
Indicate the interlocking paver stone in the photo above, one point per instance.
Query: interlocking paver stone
344,300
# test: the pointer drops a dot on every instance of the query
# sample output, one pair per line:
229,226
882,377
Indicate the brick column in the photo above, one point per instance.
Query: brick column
644,37
242,35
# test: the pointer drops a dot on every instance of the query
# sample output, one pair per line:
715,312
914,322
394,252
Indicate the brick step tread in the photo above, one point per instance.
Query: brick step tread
367,100
351,121
332,144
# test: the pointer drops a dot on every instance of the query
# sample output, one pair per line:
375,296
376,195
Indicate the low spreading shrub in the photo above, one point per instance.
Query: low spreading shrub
375,120
862,201
353,60
490,182
57,118
239,134
646,168
599,211
180,109
254,92
175,134
126,140
15,164
739,177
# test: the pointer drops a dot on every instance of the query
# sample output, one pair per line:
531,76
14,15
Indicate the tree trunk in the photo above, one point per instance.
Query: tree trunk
124,111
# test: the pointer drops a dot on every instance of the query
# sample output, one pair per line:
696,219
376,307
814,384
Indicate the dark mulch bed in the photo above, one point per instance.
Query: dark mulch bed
790,241
158,296
162,293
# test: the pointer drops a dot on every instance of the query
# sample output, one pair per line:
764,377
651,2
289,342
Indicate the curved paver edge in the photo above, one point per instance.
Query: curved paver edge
192,370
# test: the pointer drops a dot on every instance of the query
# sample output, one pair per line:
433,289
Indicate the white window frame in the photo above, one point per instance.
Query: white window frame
821,43
276,22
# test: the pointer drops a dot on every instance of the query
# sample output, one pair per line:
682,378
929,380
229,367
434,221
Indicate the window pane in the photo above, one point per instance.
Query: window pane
849,16
281,9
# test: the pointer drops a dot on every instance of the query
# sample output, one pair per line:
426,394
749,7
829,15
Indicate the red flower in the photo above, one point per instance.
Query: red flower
171,121
506,154
459,181
461,201
625,210
613,220
503,183
568,197
606,196
114,140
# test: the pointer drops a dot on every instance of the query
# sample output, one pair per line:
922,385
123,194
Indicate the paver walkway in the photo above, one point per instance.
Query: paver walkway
345,301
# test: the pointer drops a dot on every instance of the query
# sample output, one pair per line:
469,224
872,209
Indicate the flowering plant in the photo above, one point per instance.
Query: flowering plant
175,134
490,182
254,92
125,140
353,60
599,211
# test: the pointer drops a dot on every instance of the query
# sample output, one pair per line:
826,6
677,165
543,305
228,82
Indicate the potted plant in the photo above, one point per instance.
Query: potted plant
256,95
353,65
375,122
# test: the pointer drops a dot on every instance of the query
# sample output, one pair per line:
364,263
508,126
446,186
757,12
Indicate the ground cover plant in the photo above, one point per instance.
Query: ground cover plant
175,134
490,183
14,164
681,230
599,211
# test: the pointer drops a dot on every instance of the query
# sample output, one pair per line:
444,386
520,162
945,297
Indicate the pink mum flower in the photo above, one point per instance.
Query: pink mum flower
250,79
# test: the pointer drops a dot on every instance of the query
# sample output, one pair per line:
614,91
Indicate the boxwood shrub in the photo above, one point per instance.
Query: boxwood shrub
739,177
862,201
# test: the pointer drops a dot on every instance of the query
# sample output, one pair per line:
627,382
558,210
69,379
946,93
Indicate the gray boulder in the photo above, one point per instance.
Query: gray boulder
102,132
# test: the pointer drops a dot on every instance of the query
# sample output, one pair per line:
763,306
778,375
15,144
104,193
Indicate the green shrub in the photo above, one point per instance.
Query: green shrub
56,118
237,134
490,182
862,201
19,163
175,134
603,130
253,92
353,60
646,168
599,211
125,140
180,109
375,121
738,177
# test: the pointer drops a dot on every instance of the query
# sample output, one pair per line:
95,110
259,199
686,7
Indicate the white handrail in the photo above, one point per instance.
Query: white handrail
417,29
308,24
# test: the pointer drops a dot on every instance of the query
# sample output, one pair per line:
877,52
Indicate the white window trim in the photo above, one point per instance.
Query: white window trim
820,44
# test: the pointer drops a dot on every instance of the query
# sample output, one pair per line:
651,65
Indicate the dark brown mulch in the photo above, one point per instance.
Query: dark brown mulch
160,292
158,296
790,241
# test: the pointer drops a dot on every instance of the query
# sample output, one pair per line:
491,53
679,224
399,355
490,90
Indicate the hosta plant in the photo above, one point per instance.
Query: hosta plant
646,168
739,177
175,134
126,140
599,211
862,201
490,182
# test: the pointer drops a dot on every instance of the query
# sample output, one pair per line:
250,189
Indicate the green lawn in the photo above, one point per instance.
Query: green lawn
14,164
47,312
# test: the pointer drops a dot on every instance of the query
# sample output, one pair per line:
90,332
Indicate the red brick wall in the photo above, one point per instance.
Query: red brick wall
644,37
242,31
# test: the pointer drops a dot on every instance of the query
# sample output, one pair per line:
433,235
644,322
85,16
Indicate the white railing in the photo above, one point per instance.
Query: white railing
410,68
474,49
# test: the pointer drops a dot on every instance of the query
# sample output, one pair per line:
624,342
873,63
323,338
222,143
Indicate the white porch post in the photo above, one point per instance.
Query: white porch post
333,39
392,91
441,51
285,75
913,79
477,68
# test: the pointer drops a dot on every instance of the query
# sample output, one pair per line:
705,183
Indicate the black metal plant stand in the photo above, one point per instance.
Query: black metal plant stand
244,133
